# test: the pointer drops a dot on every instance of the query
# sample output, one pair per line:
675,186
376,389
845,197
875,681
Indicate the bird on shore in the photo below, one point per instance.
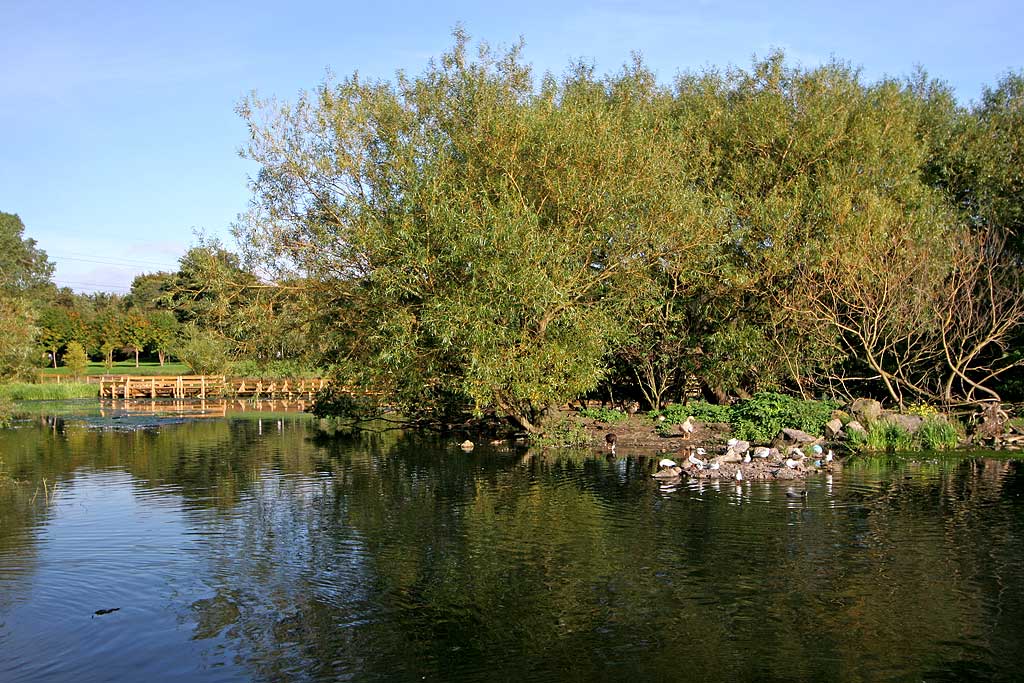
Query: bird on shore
762,452
746,458
687,426
739,475
609,440
693,460
714,466
829,456
666,462
792,464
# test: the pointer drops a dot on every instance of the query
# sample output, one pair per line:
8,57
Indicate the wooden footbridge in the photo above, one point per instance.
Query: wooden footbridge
206,386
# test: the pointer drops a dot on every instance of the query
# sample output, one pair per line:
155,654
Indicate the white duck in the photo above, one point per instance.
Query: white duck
665,462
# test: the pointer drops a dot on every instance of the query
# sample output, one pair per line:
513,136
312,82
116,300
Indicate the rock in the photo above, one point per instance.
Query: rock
911,423
833,428
794,436
840,415
866,410
854,426
741,447
668,473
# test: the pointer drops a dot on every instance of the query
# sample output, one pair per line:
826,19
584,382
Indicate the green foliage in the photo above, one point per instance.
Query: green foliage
700,410
490,233
565,433
75,359
883,435
6,409
25,269
761,417
16,391
204,352
163,329
609,415
17,332
937,433
126,367
278,369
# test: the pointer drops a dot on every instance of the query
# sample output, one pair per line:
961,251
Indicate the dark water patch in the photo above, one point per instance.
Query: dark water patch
241,552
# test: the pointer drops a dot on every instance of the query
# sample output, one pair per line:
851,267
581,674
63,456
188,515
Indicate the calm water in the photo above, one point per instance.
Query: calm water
245,549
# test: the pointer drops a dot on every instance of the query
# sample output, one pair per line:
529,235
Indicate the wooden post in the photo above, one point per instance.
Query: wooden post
202,386
152,387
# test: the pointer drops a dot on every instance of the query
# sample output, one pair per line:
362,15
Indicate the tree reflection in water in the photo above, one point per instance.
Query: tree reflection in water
399,556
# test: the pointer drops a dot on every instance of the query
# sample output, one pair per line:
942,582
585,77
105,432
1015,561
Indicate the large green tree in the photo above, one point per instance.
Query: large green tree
483,236
24,267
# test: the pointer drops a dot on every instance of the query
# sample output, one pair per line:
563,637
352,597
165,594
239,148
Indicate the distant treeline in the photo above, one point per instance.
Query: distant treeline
483,235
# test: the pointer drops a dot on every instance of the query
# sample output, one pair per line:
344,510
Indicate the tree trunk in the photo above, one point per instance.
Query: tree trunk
714,394
54,359
517,416
160,355
136,358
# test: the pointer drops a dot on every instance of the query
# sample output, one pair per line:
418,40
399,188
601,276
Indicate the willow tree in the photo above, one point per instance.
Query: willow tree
471,237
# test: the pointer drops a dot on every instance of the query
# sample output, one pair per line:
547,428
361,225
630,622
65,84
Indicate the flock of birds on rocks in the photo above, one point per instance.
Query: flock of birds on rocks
741,462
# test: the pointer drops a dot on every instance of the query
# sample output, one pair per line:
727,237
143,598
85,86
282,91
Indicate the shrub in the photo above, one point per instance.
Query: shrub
700,410
608,415
204,352
762,416
75,359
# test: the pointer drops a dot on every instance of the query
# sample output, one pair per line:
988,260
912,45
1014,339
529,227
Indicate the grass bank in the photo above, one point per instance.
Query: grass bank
16,391
124,368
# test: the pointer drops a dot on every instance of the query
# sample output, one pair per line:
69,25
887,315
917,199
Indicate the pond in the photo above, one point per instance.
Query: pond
242,547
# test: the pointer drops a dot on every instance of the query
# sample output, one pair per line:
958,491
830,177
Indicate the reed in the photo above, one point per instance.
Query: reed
47,392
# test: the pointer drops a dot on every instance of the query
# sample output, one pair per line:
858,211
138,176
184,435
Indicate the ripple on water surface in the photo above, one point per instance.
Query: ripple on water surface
234,552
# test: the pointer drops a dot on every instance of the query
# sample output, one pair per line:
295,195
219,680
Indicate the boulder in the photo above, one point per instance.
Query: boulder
866,410
854,426
840,415
911,423
741,447
833,428
794,436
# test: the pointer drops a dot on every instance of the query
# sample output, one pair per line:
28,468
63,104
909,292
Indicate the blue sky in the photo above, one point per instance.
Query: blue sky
118,137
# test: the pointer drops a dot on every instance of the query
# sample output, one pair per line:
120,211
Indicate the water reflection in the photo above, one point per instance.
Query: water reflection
243,550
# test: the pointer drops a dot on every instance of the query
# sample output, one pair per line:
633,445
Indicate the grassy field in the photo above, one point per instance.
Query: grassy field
126,368
17,391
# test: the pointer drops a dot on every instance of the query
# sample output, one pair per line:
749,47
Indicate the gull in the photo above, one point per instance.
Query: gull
746,458
792,464
739,475
829,456
714,465
665,462
694,461
761,452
